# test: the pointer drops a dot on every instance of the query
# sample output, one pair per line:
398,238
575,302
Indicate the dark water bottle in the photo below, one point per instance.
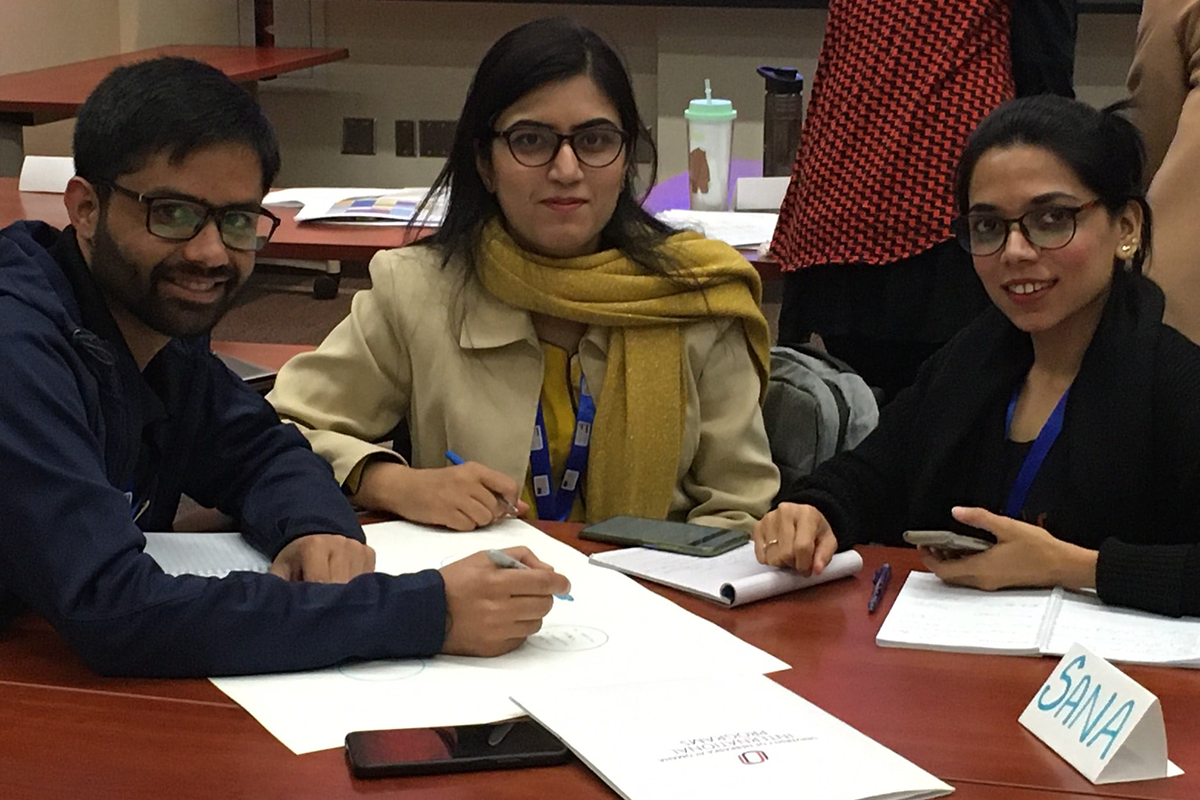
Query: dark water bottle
783,116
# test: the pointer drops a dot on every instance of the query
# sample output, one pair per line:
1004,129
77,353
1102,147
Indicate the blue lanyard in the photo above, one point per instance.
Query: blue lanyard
556,505
1035,456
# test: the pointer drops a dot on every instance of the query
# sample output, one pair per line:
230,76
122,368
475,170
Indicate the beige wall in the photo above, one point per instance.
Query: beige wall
46,33
414,60
150,23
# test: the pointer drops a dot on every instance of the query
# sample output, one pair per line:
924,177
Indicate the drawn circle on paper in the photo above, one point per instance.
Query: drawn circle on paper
382,670
568,638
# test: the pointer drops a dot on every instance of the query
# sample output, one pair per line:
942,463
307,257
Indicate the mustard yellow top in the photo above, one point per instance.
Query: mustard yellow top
560,402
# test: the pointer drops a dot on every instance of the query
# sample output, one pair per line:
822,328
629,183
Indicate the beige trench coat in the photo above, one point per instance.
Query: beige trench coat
465,371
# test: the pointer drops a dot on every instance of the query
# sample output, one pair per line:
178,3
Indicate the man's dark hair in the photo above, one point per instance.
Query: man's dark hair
172,105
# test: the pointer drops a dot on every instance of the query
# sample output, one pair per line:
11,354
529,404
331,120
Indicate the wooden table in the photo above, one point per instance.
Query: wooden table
307,242
291,240
65,732
47,95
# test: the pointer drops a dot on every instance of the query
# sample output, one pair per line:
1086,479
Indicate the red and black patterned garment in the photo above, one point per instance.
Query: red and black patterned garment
864,232
899,88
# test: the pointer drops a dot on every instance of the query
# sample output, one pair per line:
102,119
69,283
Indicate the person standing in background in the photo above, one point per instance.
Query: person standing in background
864,234
1163,85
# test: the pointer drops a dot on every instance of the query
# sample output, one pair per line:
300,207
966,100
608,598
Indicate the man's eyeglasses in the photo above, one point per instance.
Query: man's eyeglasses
537,146
1048,228
180,220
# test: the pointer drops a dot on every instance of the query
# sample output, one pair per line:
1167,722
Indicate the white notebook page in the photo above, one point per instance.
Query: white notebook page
934,615
1123,634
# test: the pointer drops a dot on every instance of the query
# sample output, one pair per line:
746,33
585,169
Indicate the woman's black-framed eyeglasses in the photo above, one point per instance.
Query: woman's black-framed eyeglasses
1048,227
537,146
179,220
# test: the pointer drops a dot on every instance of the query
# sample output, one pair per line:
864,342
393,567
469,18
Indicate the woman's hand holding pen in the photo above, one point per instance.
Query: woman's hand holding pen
460,497
1024,555
491,610
795,536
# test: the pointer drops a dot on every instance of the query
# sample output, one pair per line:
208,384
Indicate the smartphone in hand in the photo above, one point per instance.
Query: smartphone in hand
948,541
460,748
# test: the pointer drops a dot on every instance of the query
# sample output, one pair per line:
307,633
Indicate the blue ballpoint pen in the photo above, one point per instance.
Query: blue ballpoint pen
879,586
505,561
455,459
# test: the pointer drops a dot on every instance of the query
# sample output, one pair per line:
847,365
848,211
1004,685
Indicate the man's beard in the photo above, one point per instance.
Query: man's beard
122,282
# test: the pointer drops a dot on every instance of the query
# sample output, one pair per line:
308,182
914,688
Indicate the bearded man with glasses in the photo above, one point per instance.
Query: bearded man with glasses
113,407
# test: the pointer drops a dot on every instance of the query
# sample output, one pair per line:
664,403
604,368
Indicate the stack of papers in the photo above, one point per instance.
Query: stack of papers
931,615
732,579
735,228
613,630
720,739
359,206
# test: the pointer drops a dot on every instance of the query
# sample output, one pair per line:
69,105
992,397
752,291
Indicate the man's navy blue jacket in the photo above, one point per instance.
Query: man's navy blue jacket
88,442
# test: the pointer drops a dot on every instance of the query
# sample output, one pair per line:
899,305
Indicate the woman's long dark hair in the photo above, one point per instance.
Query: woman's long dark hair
524,59
1101,147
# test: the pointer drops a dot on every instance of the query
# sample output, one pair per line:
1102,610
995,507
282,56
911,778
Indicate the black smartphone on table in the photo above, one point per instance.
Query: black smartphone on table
657,534
458,748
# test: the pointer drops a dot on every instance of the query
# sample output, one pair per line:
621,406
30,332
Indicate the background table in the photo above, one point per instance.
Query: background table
47,95
65,732
308,241
291,240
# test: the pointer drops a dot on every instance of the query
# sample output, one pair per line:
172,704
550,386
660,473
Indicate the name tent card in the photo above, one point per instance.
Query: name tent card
1102,722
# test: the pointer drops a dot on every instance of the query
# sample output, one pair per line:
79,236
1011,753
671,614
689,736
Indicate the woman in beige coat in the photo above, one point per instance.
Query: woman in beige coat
548,307
1164,83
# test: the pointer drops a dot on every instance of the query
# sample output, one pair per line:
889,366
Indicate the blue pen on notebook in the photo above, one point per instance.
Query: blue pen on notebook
455,459
505,561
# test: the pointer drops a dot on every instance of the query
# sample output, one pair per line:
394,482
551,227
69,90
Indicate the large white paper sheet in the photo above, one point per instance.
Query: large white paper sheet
614,632
746,737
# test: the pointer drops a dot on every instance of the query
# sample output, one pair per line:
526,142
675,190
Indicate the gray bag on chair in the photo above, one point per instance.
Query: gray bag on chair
816,406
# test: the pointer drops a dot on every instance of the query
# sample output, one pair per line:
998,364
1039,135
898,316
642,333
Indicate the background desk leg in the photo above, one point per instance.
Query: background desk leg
325,285
12,149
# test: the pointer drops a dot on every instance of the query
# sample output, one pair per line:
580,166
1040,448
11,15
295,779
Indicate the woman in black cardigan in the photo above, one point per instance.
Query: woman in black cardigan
1055,219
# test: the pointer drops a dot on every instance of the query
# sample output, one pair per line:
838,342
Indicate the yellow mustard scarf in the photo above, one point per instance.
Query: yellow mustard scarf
638,433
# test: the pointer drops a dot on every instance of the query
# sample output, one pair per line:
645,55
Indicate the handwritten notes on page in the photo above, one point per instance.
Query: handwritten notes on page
930,614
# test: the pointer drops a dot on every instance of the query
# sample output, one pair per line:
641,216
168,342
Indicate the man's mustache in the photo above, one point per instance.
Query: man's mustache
226,273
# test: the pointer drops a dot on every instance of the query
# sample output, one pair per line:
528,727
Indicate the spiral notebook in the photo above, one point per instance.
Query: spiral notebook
731,579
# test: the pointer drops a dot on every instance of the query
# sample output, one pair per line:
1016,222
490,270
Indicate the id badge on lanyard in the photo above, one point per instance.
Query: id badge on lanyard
1036,455
555,504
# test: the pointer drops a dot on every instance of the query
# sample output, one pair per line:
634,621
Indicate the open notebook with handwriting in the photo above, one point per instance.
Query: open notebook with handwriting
931,615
